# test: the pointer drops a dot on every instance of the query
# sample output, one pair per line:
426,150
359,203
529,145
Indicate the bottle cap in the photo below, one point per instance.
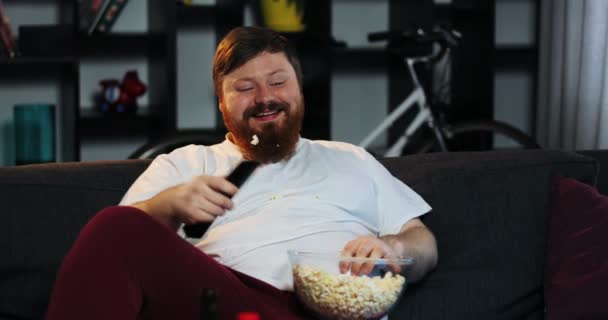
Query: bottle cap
248,316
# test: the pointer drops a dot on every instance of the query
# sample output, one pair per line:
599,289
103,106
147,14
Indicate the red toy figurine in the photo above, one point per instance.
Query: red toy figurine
121,97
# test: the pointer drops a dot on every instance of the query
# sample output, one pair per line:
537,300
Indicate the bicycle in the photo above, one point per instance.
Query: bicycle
445,135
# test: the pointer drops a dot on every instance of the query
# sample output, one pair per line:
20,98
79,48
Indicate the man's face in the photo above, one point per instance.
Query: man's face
263,98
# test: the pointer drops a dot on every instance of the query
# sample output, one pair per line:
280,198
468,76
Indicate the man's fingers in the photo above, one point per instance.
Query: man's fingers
361,251
222,185
202,200
363,247
367,267
395,268
349,248
203,216
211,209
377,252
348,251
364,250
217,198
203,211
344,266
194,215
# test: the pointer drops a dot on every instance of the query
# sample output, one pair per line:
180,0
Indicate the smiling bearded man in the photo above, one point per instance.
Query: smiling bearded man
309,195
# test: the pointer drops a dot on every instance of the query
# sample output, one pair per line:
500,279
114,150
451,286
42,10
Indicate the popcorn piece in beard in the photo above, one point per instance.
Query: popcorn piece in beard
255,140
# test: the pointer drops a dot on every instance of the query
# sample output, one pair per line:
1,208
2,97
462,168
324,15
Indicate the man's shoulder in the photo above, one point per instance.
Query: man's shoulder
330,144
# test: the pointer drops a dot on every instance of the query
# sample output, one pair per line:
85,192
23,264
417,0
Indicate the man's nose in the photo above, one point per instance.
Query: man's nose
264,94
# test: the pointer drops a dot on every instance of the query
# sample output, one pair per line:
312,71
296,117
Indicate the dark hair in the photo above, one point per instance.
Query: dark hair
242,44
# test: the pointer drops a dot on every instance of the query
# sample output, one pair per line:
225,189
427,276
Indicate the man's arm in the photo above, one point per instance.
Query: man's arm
200,200
414,240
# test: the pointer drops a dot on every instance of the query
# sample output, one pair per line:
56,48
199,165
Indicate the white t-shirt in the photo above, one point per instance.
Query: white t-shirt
327,194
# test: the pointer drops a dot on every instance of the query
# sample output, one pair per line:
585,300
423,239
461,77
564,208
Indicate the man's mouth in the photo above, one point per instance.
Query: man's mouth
267,115
265,112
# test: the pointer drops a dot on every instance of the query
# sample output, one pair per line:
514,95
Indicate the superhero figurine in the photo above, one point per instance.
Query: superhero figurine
122,97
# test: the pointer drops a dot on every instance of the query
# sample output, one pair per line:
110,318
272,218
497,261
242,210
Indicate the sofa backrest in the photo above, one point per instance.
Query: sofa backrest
489,217
490,214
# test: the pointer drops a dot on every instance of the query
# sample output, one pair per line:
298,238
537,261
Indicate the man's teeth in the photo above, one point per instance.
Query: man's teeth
266,113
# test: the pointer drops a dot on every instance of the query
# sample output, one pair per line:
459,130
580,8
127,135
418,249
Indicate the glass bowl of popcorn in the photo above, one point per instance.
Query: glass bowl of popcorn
338,287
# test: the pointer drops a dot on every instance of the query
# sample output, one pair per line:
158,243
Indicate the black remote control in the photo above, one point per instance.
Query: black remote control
238,176
241,173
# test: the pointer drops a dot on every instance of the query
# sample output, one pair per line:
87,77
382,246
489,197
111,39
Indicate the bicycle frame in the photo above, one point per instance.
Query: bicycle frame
416,97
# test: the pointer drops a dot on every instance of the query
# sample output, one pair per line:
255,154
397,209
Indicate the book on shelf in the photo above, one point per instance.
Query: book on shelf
7,36
110,14
89,14
196,2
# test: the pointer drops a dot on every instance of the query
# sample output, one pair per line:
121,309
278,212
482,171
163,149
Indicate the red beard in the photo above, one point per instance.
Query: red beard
276,142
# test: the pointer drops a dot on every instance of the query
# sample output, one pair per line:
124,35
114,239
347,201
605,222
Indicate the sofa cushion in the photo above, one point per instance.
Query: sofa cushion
490,220
43,209
576,284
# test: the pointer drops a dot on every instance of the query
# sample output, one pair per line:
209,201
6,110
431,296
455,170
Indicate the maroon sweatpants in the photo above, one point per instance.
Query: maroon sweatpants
127,265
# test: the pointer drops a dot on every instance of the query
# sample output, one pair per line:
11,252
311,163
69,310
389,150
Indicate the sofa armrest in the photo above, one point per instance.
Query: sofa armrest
43,209
601,156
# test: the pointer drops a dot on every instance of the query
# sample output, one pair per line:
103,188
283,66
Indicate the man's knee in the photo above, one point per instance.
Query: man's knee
117,216
118,221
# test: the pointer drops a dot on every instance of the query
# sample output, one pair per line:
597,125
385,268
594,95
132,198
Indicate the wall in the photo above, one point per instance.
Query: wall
513,89
358,99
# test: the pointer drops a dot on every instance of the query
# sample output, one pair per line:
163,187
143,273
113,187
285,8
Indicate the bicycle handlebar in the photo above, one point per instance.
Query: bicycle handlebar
445,38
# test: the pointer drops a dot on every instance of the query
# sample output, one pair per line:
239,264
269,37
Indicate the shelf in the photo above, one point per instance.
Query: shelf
516,56
460,9
25,66
213,136
360,58
196,15
24,61
308,40
122,44
96,125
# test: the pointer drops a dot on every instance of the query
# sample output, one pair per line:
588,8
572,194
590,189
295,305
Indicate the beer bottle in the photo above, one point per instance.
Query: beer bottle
209,305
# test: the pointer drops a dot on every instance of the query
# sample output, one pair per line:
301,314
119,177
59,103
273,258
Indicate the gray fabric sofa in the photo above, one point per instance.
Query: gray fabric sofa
490,219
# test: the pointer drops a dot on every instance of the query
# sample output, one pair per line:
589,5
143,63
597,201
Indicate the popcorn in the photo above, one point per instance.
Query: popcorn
255,140
342,296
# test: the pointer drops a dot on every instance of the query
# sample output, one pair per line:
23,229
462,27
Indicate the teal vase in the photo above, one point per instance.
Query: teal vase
34,133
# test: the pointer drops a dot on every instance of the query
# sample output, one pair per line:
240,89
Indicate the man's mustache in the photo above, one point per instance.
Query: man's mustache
264,107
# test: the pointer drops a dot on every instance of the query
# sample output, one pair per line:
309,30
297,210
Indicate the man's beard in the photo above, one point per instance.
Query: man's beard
276,141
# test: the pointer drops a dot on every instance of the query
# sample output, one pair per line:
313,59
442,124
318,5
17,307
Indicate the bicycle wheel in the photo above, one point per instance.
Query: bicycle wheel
499,134
151,150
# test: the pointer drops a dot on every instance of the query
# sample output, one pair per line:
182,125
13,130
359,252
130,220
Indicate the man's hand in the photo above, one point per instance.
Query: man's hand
413,241
200,200
365,247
